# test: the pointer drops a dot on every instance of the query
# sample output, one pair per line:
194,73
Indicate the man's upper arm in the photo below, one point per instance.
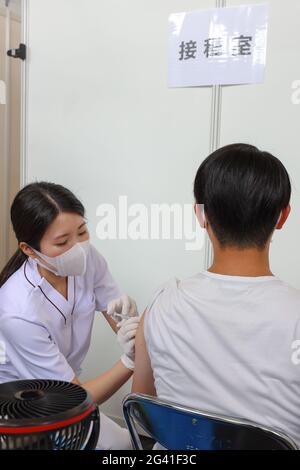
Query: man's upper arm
143,381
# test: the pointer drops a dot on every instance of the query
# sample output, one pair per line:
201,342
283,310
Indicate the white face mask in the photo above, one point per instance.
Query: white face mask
70,263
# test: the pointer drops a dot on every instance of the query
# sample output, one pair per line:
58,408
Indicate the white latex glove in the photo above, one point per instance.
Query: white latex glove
126,339
124,307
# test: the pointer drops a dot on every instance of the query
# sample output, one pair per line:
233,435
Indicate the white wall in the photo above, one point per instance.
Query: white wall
266,116
102,122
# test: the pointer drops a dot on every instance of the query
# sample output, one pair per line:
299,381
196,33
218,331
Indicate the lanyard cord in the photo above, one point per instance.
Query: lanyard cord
49,300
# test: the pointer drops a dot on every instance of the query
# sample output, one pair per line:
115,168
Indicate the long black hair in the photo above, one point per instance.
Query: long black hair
243,190
34,208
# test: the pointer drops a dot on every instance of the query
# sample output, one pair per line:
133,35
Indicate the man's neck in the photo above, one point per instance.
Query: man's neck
235,262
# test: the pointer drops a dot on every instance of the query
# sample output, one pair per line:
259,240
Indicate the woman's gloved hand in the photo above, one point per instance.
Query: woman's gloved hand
124,307
126,339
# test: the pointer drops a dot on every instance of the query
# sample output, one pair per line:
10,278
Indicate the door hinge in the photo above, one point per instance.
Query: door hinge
19,53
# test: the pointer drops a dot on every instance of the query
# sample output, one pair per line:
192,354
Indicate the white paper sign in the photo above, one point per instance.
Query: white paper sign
219,46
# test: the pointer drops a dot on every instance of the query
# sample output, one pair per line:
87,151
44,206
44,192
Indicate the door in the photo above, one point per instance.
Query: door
10,117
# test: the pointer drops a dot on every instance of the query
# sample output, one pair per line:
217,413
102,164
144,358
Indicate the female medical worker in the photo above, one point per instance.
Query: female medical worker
50,290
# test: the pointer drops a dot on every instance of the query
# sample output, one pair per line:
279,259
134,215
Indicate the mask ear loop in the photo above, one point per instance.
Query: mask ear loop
44,263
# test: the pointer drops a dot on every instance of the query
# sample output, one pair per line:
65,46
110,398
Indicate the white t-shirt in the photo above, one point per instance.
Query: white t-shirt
36,339
225,344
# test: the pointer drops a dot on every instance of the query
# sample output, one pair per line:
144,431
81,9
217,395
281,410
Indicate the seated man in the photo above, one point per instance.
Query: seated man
224,339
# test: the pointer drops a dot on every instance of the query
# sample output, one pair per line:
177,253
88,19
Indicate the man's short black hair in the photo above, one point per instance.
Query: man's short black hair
243,190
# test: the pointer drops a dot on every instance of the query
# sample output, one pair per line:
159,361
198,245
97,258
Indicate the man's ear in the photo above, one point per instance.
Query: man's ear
200,214
283,216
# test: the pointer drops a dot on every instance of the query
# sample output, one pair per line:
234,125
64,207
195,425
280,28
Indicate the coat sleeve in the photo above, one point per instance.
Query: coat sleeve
33,352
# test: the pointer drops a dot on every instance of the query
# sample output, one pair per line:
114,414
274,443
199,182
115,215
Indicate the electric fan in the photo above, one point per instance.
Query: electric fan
47,415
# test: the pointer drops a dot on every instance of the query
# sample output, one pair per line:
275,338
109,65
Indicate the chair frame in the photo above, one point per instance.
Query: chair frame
139,398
